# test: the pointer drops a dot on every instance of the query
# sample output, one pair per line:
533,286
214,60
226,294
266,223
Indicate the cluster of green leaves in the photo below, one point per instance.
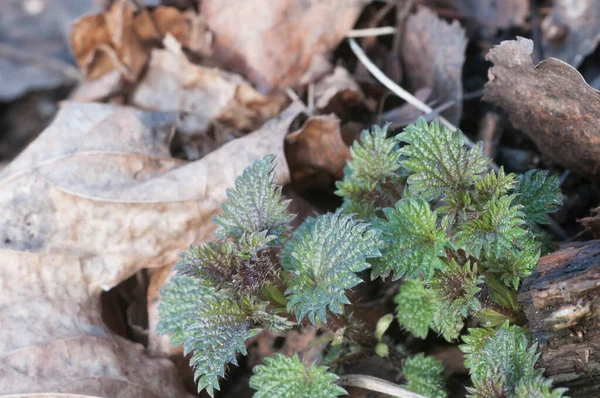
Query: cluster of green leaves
457,229
502,364
462,237
420,206
227,291
218,298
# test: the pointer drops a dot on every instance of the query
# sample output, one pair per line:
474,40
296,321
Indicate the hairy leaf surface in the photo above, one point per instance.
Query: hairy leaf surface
323,257
287,377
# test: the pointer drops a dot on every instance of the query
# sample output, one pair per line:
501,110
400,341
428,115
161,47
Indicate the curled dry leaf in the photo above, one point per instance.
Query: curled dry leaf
337,93
572,31
550,102
273,42
93,200
433,54
119,39
317,153
204,95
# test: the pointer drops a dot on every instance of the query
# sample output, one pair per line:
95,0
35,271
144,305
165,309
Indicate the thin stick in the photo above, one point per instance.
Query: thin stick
396,89
368,32
375,384
311,97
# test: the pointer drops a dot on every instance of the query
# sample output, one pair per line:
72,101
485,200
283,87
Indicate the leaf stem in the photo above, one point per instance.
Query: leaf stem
376,384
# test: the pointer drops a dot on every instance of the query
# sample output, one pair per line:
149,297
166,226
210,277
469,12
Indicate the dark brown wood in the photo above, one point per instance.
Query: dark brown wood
562,304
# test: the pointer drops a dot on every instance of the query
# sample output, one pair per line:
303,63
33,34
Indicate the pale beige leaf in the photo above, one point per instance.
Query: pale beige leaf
273,42
205,95
93,200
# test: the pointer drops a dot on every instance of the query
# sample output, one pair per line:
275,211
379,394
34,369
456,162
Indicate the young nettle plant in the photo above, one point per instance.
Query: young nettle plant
419,206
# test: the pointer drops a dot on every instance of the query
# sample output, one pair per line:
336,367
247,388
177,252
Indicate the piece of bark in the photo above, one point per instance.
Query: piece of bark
562,302
550,102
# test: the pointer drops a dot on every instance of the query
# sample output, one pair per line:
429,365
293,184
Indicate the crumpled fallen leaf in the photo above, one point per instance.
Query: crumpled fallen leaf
550,102
204,95
273,42
119,39
433,54
572,31
34,54
93,200
317,153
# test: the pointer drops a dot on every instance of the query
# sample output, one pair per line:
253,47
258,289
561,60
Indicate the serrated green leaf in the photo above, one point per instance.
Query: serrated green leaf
287,377
515,265
439,160
447,321
414,243
373,174
538,388
208,323
323,258
213,261
179,300
493,184
255,204
497,229
489,387
458,287
506,351
424,375
539,194
415,309
217,333
374,157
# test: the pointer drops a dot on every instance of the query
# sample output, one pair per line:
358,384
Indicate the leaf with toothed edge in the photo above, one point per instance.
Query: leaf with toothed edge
323,257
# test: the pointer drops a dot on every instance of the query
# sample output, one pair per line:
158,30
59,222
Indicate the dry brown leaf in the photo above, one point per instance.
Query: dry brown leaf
550,102
433,54
337,93
118,39
204,95
273,42
495,14
572,30
104,42
93,200
317,153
